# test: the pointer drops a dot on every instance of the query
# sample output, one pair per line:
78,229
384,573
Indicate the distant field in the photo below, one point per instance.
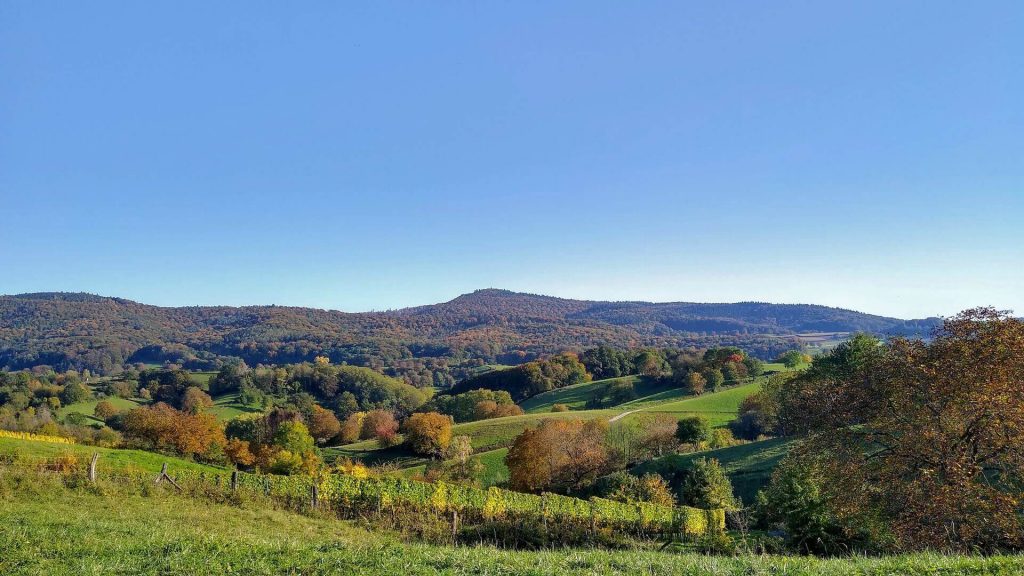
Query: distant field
749,466
202,377
227,407
109,457
576,396
89,406
718,407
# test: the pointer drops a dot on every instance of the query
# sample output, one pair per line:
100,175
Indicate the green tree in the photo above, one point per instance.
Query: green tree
714,378
294,437
693,430
74,392
707,486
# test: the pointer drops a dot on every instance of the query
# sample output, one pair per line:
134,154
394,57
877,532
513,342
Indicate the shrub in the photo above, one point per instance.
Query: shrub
693,430
706,486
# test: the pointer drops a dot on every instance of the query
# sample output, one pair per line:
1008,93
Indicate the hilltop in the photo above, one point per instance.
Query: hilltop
76,330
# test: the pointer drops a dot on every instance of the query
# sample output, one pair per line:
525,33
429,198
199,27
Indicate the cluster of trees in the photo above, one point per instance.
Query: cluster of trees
162,428
588,458
30,400
278,441
793,358
174,387
423,346
478,404
531,378
906,444
345,389
717,366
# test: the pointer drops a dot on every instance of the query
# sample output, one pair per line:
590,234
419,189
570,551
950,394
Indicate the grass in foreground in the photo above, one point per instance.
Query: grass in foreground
49,529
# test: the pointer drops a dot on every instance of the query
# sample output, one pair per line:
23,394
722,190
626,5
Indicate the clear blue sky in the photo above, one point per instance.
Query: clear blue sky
376,155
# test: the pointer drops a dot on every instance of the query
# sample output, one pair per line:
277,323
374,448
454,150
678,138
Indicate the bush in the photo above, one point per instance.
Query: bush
706,486
694,430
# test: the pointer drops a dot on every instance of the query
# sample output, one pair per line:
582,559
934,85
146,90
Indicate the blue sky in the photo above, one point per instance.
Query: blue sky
376,155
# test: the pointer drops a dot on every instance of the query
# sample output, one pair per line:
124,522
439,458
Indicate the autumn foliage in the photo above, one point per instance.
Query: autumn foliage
428,433
563,455
925,436
163,428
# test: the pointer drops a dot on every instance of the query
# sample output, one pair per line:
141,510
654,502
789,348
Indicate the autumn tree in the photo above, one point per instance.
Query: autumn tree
238,452
195,400
923,434
323,424
428,433
563,455
163,428
105,410
352,428
381,426
696,383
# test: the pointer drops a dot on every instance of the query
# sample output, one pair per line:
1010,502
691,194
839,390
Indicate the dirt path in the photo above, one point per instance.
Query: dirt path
623,415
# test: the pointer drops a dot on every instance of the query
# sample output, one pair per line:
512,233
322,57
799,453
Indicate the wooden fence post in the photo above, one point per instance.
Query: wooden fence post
234,480
544,512
92,467
455,524
164,476
314,496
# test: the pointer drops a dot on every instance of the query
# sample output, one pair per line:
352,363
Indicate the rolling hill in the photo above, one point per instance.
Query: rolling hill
72,330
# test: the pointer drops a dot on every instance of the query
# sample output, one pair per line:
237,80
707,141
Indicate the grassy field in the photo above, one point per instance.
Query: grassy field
50,529
718,407
576,396
494,471
492,437
109,457
749,466
89,406
227,407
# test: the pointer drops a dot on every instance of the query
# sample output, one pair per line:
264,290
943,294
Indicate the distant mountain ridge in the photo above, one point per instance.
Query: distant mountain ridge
79,330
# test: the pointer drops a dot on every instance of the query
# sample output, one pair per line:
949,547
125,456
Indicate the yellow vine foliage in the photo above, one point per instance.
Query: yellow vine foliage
35,437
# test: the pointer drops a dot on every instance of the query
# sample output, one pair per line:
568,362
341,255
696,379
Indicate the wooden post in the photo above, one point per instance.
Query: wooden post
314,496
544,512
164,476
234,480
455,524
92,467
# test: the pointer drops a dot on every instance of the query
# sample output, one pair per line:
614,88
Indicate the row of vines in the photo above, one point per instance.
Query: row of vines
344,491
35,437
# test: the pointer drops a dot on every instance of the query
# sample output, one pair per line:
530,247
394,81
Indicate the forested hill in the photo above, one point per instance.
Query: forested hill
71,330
